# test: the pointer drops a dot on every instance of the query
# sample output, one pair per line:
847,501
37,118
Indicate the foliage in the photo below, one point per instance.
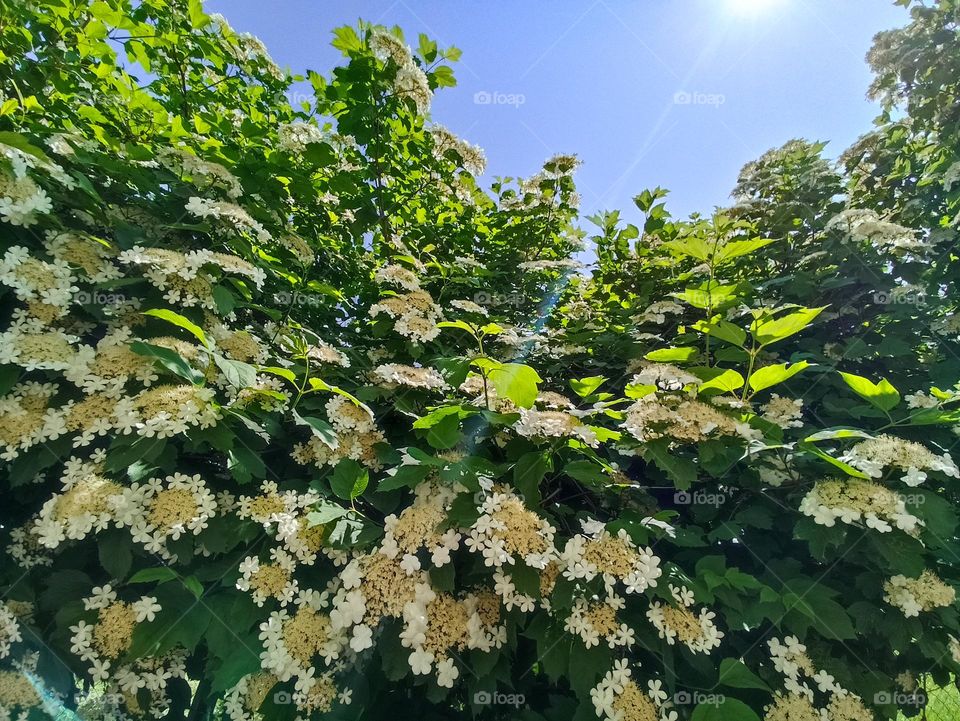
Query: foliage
299,421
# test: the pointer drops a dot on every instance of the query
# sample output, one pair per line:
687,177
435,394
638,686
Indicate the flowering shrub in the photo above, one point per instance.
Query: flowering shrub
297,421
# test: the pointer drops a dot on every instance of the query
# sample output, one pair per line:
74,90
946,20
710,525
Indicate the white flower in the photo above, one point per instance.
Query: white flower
421,662
362,638
146,608
447,673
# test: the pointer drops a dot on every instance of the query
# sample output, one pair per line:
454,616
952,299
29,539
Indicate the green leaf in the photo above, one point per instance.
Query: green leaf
845,467
285,373
516,382
169,359
708,295
672,355
722,329
737,248
718,379
730,709
767,376
881,395
529,471
773,331
586,386
320,428
349,479
180,321
237,373
324,512
150,575
408,476
224,300
586,471
735,674
681,471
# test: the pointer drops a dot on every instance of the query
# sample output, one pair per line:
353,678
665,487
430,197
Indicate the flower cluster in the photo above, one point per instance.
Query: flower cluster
618,697
410,82
414,313
677,622
855,500
913,595
872,456
799,701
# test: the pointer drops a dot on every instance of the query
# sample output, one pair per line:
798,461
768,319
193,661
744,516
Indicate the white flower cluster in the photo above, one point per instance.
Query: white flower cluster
295,137
873,455
537,424
615,558
507,532
676,622
854,500
415,314
861,224
157,511
595,621
798,703
186,163
9,630
393,375
913,595
618,697
21,199
231,214
410,81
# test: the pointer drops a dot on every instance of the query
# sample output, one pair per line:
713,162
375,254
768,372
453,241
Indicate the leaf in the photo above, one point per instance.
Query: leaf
408,476
586,386
881,395
681,471
180,321
671,355
529,471
718,379
845,467
708,296
767,376
722,329
115,554
224,300
773,331
586,471
285,373
324,512
149,575
169,359
320,428
729,709
735,674
737,248
516,382
349,479
237,373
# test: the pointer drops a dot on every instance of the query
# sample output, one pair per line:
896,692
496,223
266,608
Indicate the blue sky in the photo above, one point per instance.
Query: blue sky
677,93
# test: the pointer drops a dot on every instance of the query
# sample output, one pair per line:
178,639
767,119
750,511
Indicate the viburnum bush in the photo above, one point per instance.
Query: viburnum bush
297,421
